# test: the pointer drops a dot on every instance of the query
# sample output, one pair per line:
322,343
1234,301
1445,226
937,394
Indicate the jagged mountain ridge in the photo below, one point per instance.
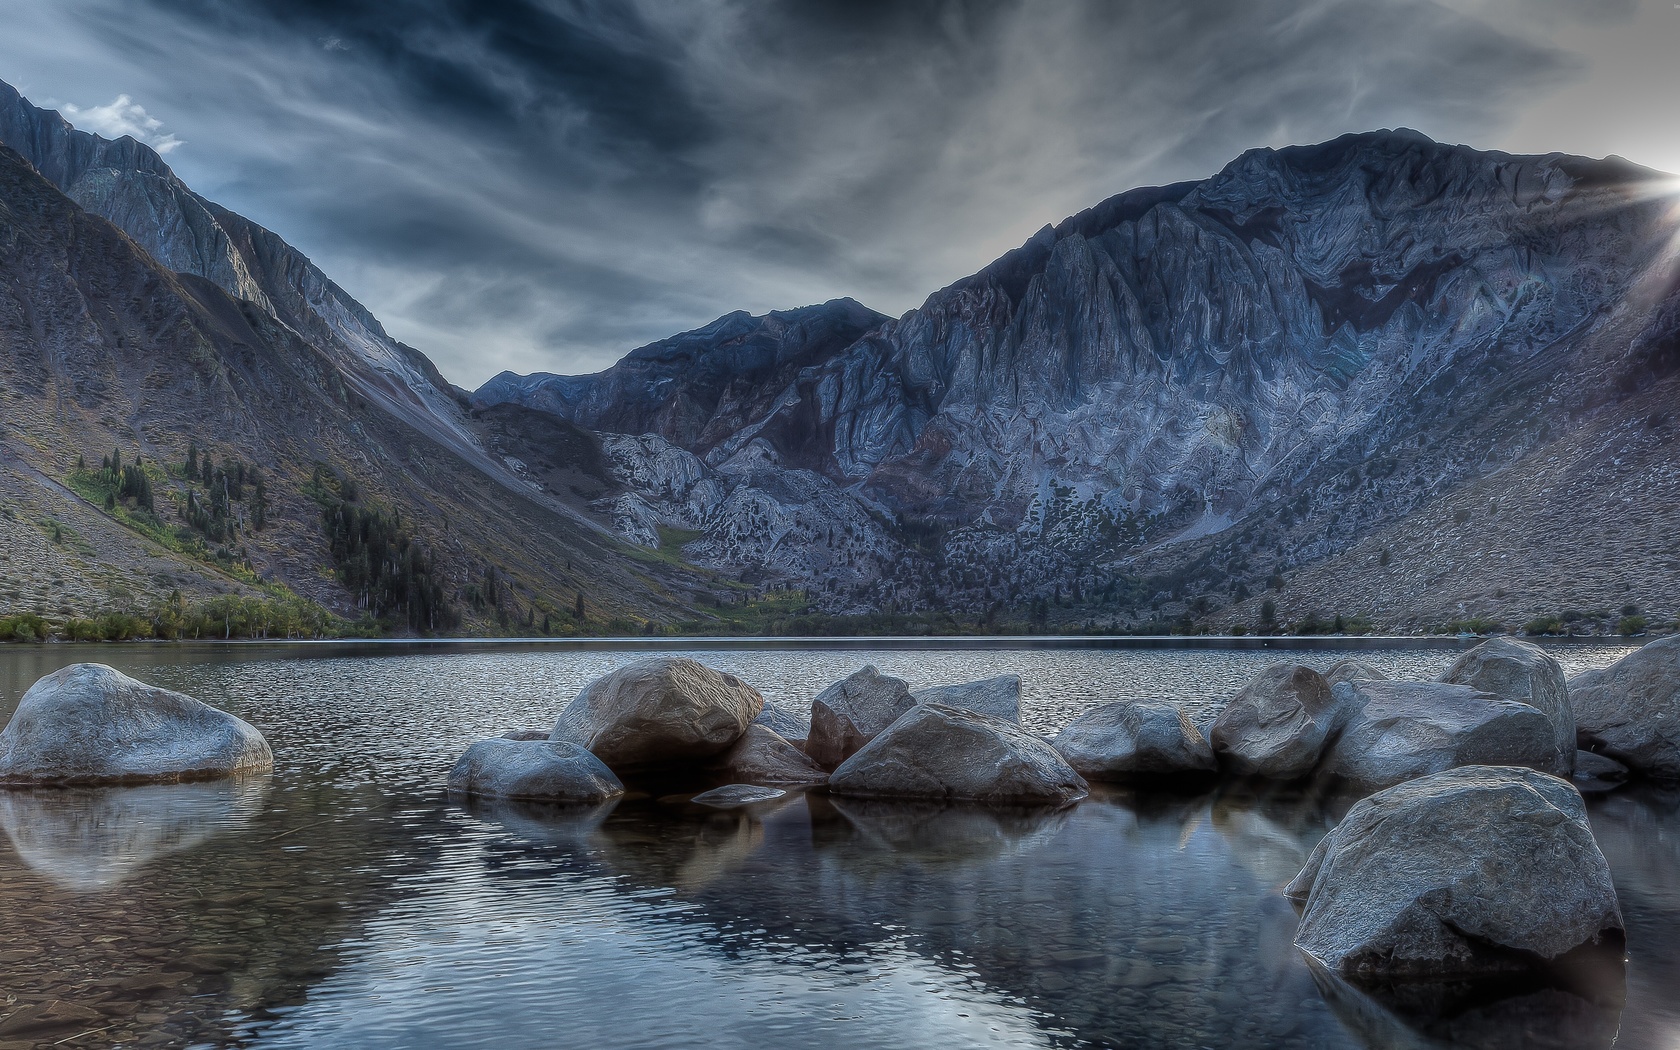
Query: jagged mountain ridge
1194,387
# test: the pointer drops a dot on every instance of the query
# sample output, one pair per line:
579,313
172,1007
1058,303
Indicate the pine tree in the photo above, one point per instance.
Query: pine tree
577,608
192,459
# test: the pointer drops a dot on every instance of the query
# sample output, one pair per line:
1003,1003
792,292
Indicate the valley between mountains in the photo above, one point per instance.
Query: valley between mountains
1379,383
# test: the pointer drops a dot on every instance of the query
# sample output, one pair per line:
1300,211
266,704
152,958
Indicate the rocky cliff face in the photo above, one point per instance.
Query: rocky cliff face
1189,390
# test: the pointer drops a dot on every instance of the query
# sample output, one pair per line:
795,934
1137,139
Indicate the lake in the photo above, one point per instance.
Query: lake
344,901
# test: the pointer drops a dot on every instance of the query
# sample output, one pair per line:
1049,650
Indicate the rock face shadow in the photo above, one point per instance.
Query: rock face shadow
87,839
1508,1014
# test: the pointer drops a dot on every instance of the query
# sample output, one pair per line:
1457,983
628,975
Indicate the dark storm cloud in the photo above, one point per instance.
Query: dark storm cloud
545,184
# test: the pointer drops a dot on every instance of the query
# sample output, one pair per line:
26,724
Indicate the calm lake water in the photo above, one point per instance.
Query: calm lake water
345,902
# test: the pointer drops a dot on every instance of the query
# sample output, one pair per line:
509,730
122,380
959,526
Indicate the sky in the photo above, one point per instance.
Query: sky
543,185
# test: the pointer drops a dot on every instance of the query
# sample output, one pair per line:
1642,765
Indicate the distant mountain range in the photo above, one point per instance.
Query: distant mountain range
1378,377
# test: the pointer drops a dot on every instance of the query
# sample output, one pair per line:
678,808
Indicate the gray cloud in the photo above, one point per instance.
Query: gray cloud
546,184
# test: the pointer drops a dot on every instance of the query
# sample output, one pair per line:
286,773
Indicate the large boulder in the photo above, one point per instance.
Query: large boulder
1397,731
1277,725
1131,739
91,724
937,752
1474,871
1630,710
998,697
849,713
1522,671
534,770
664,710
763,756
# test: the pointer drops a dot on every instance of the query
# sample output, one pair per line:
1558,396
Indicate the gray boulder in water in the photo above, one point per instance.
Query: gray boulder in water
1630,710
732,796
785,722
763,756
1131,739
937,752
91,724
1474,871
1354,669
998,697
1277,725
848,714
1397,731
663,710
536,770
1522,671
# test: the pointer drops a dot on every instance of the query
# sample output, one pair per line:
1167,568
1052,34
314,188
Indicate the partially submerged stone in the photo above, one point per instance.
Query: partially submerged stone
91,724
658,711
1277,725
1512,669
937,752
733,796
763,756
1397,731
1630,710
1474,871
534,770
998,697
1598,772
1131,739
848,714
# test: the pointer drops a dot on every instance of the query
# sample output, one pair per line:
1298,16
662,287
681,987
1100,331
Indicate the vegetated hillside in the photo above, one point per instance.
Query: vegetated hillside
298,481
1191,394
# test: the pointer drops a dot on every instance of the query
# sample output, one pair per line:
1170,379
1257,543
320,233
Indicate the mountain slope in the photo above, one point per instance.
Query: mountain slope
104,349
1176,397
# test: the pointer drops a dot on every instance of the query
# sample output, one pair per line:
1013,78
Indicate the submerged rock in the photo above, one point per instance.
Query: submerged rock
849,713
1277,725
943,753
91,724
1473,871
1522,671
1396,731
1598,772
998,697
731,796
1630,710
536,770
762,756
663,710
1129,739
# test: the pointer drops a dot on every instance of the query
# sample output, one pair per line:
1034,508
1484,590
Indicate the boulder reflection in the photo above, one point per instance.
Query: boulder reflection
87,839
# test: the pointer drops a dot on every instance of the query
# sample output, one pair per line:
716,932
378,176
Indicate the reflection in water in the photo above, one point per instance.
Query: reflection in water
91,838
355,906
1513,1016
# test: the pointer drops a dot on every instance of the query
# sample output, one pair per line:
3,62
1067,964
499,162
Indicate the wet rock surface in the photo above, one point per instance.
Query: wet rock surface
91,724
942,753
1471,872
660,710
762,756
538,770
732,795
1130,740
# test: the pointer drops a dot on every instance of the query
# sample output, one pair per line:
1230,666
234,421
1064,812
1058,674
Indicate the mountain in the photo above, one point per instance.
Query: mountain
1378,352
138,320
